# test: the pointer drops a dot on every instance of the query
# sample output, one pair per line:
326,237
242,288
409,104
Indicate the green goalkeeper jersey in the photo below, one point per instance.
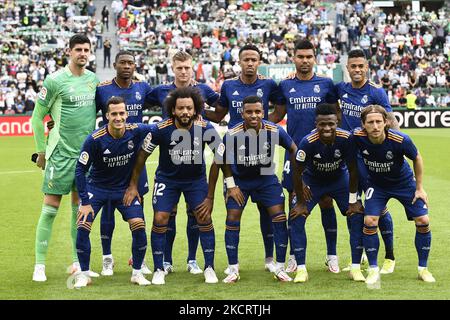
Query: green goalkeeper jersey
70,100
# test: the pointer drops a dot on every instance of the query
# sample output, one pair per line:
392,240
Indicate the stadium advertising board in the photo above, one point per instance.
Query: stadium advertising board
429,118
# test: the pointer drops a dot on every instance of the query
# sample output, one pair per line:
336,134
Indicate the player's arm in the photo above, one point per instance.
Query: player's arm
298,167
278,113
82,167
418,173
217,115
37,119
145,151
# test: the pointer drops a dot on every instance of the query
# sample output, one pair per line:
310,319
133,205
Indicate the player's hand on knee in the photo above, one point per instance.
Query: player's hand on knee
307,194
236,194
40,161
130,194
205,208
420,194
353,208
84,212
298,210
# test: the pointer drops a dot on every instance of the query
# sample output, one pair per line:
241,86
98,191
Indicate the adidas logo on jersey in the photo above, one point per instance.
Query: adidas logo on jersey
292,90
365,152
173,143
236,93
345,96
90,195
242,147
137,203
107,151
146,185
317,156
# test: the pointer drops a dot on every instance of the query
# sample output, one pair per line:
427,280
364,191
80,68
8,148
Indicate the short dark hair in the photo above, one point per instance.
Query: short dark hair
251,99
305,45
356,53
187,92
325,109
114,100
250,47
124,53
78,38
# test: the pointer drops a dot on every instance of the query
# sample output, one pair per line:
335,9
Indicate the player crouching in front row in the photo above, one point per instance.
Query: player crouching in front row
108,154
181,169
390,176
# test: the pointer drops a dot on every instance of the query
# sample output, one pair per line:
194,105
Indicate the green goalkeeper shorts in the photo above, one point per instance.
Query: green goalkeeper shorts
59,177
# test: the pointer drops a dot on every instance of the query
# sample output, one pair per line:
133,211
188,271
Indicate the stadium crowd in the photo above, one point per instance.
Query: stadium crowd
409,53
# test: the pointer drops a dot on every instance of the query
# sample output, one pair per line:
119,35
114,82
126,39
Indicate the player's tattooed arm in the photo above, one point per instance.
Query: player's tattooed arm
206,207
392,121
278,113
217,115
418,174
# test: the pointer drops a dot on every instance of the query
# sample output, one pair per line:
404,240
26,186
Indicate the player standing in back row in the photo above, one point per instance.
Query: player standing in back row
353,97
232,94
68,95
300,96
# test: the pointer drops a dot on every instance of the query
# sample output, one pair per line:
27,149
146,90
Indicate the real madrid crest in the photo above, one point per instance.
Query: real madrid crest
337,153
259,93
364,99
130,145
138,96
389,155
316,88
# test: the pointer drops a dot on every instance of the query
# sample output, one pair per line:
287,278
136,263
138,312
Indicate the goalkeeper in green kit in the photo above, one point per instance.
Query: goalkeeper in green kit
68,95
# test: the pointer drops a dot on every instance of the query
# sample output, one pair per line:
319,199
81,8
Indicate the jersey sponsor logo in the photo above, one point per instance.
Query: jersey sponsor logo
389,155
84,158
259,93
317,156
337,153
301,156
107,151
364,99
43,93
292,90
236,93
316,88
130,145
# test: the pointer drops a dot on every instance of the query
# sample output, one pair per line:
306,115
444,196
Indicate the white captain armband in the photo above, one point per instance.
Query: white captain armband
147,145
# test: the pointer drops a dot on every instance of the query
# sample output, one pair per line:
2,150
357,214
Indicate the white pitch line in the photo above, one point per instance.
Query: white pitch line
16,172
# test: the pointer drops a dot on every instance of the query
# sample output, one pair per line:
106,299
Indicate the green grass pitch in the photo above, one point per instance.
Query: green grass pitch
21,198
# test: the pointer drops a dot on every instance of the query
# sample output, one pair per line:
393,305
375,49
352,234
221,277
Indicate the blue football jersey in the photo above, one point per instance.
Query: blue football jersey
250,155
109,161
301,98
233,92
181,152
353,100
385,162
326,162
135,96
160,93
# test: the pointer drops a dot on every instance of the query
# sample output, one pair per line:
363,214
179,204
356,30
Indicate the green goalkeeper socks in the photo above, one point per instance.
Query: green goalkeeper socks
44,232
73,232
